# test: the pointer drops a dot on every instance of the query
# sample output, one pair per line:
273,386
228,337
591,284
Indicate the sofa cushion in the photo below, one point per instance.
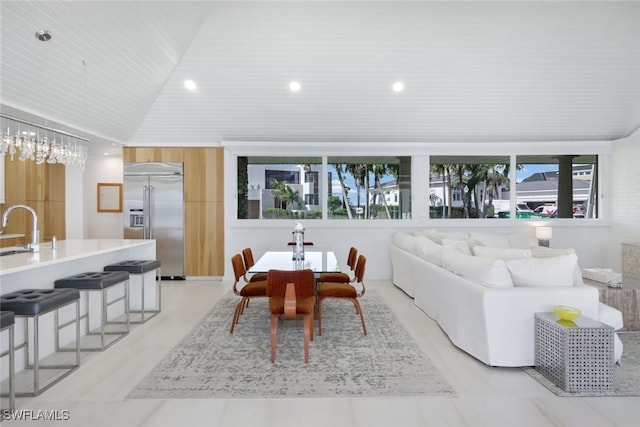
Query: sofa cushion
486,271
429,250
457,245
491,240
555,271
438,236
520,240
544,252
501,253
405,241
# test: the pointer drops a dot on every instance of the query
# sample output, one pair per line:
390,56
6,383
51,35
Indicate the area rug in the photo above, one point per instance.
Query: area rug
212,363
626,376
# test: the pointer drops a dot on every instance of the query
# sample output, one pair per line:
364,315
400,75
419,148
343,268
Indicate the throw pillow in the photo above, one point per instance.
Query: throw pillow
544,252
457,245
520,240
501,253
405,241
429,250
555,271
488,272
491,240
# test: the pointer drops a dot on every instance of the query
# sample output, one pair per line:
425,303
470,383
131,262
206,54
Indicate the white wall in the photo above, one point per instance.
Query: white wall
100,225
625,197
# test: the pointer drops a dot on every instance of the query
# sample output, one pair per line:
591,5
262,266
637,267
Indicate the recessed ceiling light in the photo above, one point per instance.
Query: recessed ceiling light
295,86
398,87
106,154
190,84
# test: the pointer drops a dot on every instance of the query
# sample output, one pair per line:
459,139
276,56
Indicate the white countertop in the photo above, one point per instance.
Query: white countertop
66,250
10,236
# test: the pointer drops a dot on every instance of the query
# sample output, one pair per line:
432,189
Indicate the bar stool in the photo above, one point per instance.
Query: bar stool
7,320
138,267
100,281
33,303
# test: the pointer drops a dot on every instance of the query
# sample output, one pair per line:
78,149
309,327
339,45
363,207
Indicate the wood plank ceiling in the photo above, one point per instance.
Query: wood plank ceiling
473,71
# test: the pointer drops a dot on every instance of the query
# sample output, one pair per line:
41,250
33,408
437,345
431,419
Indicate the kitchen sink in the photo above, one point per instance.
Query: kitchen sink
13,252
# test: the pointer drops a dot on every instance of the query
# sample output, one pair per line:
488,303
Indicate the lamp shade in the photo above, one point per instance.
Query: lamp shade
544,233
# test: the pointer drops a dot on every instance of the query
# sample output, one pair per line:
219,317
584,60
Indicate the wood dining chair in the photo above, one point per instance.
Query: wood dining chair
244,289
340,276
341,290
247,255
291,293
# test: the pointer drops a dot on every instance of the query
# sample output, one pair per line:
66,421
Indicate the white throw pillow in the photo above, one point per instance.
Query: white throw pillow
491,240
544,252
520,240
428,250
501,253
405,241
555,271
438,236
488,272
457,245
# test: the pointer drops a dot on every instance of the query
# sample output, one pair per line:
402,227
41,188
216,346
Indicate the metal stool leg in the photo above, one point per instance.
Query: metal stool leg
12,371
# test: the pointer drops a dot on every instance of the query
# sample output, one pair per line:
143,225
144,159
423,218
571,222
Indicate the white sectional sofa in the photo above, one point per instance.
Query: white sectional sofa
483,289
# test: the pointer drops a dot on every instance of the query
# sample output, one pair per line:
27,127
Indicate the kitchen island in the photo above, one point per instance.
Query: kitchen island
41,269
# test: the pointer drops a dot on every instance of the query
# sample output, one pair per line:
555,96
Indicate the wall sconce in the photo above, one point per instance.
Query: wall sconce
544,235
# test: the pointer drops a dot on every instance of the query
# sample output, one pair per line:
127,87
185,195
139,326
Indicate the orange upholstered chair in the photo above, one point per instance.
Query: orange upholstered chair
342,277
247,255
291,293
341,290
244,289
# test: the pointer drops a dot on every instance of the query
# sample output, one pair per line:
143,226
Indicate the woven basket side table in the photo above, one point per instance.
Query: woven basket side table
577,356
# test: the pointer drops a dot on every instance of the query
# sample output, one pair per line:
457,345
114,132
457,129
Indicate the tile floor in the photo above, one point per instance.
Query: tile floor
95,394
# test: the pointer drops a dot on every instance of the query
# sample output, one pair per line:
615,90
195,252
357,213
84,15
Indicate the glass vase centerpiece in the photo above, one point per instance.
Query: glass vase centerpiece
298,242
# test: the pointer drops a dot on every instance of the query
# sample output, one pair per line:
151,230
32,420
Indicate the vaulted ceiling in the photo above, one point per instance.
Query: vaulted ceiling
473,71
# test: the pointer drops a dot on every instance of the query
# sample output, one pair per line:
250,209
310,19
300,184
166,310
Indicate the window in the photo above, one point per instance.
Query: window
547,186
558,186
270,188
468,187
369,187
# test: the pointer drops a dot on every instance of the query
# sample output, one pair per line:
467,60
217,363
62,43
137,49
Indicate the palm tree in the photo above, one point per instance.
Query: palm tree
380,170
345,194
284,194
360,175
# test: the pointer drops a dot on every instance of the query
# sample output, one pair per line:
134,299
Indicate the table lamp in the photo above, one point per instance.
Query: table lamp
544,234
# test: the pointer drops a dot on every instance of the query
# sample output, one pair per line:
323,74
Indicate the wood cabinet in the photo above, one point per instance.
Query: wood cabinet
41,187
203,202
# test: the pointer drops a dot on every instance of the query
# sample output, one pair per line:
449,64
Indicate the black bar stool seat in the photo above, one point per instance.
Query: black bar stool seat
30,302
141,267
34,303
100,281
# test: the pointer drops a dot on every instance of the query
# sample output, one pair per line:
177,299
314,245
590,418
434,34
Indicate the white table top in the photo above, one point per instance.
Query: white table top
66,250
320,261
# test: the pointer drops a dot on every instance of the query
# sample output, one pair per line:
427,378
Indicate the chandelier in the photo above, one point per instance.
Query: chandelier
40,144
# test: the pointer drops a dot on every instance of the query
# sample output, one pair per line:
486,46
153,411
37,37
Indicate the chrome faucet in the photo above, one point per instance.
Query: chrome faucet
34,246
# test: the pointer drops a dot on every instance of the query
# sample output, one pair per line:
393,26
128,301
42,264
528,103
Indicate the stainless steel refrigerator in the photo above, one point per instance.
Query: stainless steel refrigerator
154,209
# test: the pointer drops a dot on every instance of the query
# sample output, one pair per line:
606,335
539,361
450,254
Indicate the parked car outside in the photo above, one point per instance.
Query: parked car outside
546,211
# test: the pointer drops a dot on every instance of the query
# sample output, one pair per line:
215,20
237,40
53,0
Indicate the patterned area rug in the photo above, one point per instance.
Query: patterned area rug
211,363
626,376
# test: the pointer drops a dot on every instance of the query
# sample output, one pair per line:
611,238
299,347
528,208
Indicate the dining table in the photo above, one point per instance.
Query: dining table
317,259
